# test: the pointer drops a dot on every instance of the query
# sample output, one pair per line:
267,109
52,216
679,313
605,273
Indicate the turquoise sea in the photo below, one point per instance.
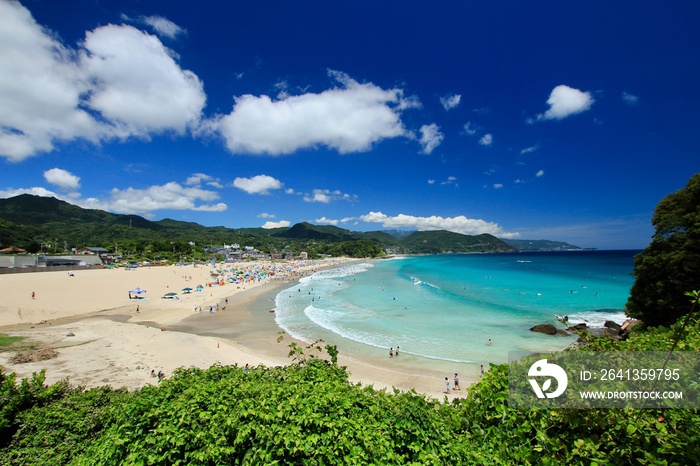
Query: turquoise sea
443,309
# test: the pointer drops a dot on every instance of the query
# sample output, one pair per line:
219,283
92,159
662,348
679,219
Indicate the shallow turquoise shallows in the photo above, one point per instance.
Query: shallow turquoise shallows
445,308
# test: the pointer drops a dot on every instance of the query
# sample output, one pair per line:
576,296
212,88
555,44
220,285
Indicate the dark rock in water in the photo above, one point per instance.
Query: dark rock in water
562,332
612,325
581,326
548,329
613,328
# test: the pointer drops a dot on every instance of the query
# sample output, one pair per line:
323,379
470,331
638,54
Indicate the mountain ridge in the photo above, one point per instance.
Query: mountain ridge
29,221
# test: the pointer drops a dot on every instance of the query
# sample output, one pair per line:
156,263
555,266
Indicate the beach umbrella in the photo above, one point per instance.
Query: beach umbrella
136,291
187,290
172,293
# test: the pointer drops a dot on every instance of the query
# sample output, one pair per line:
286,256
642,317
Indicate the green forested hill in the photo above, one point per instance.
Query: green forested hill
436,242
306,230
29,222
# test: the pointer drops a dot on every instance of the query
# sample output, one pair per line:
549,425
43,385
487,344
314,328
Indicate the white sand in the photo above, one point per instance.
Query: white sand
101,339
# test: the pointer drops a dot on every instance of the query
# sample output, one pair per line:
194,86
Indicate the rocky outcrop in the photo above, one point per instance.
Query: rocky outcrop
548,329
613,327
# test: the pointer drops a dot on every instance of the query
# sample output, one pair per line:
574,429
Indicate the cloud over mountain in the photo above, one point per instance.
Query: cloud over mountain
459,224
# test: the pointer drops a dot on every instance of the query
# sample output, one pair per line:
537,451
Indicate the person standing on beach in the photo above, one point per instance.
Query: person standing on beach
397,351
482,370
33,295
447,385
391,352
457,382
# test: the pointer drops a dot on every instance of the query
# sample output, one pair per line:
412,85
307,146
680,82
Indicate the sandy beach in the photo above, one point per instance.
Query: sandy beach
101,335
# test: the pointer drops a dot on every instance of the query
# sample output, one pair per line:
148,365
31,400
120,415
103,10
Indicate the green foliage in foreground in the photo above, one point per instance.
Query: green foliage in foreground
308,413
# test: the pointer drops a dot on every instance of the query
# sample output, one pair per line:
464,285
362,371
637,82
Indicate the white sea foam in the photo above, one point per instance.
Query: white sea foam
430,285
417,281
329,320
598,317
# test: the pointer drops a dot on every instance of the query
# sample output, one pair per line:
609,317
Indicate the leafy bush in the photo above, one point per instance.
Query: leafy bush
302,414
309,413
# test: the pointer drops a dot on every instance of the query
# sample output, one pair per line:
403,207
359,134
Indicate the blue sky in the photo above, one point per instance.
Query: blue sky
548,120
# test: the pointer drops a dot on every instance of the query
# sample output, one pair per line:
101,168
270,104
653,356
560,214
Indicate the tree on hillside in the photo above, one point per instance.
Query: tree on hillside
361,248
670,265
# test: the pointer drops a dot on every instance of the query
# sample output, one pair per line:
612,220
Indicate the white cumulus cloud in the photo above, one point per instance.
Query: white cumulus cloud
139,201
326,221
451,101
260,184
471,129
198,178
280,224
40,88
137,84
430,137
168,196
35,191
120,82
62,178
459,224
631,99
326,196
565,101
348,118
486,139
163,26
